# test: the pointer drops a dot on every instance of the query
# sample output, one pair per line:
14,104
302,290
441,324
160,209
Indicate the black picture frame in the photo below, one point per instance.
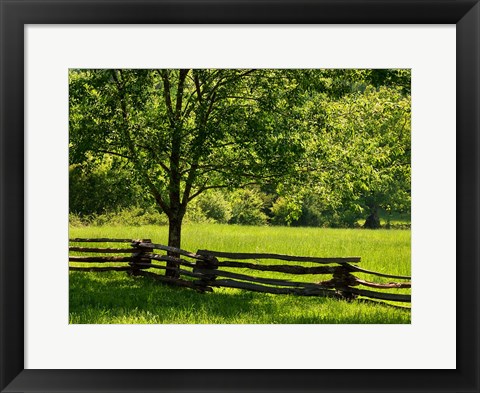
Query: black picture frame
15,14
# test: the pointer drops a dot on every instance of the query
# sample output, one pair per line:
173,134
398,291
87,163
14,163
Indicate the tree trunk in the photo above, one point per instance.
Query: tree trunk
373,220
174,240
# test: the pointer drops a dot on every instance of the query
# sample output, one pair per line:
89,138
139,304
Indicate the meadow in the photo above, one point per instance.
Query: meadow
115,297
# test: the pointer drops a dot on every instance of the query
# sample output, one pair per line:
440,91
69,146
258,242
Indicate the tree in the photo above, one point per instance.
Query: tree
188,131
364,144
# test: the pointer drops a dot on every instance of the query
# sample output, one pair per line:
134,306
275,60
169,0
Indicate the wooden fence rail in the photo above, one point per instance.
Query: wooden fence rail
206,269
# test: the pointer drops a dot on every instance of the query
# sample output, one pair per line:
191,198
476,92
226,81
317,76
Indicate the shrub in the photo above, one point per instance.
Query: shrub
100,186
285,211
319,213
75,220
247,205
215,207
195,213
135,216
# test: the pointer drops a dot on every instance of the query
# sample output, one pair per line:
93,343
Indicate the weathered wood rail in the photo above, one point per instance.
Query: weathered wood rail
205,270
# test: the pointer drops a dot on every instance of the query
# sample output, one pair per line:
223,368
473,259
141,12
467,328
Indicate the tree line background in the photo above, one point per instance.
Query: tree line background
326,148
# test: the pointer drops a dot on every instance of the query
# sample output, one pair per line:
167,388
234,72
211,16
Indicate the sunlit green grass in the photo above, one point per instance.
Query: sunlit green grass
115,297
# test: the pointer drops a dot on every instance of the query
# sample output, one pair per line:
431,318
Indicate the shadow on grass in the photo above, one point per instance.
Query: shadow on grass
114,297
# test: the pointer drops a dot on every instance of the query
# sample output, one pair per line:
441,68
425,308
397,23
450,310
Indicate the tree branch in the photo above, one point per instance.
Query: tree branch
166,94
242,98
154,153
181,83
204,188
114,154
133,151
189,183
224,80
197,87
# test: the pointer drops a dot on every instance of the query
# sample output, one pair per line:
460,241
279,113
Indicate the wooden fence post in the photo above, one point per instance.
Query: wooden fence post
140,257
205,267
342,281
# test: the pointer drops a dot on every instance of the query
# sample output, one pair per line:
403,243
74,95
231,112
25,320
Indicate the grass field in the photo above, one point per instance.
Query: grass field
114,297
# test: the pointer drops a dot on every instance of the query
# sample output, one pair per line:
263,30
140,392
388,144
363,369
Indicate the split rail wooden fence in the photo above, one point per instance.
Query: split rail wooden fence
206,270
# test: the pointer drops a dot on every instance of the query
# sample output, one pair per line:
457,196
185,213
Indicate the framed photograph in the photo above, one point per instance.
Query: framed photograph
397,79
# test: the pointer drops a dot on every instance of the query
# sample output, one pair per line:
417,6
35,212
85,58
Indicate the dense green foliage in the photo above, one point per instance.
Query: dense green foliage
118,298
104,185
359,160
284,147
